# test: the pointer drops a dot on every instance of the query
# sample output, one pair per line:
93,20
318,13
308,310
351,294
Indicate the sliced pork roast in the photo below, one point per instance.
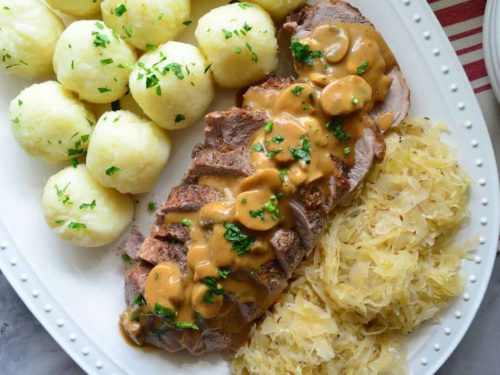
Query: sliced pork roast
226,152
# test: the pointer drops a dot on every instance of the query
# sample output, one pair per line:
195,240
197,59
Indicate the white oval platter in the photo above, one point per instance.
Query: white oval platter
77,294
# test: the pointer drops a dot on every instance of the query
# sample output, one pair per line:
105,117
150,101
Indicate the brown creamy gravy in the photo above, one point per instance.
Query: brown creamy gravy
314,121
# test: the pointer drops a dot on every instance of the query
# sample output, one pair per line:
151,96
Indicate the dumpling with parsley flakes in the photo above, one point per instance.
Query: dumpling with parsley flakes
147,23
29,31
76,8
127,153
50,123
78,209
92,60
172,85
239,42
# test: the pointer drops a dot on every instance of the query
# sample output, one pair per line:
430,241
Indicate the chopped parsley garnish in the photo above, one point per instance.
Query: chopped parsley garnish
272,154
244,200
128,31
126,258
227,34
59,221
335,126
151,47
100,40
213,289
164,311
74,162
304,152
120,9
152,81
271,206
175,68
224,273
237,50
90,205
277,138
187,22
102,90
15,120
241,242
362,68
283,174
112,170
19,102
139,300
179,117
347,150
186,222
207,68
268,126
257,213
76,226
258,147
61,196
186,325
302,52
152,206
245,5
297,90
106,61
355,100
254,56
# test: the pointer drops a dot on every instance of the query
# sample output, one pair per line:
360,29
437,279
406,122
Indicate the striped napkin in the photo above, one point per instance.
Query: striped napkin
462,21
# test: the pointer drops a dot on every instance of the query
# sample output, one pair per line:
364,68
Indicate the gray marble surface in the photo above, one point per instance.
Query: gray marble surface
27,349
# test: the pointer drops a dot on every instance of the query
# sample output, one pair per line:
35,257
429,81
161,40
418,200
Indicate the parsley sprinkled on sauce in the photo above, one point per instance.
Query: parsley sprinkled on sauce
268,126
102,90
179,117
271,206
302,52
241,242
120,9
258,147
257,213
224,273
139,300
90,205
112,170
283,174
335,126
186,325
362,68
164,311
106,61
244,200
186,222
152,206
302,153
187,22
277,139
355,100
297,90
272,154
213,289
76,226
347,150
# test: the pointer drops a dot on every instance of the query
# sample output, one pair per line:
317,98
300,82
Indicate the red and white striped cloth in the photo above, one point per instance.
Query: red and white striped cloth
462,21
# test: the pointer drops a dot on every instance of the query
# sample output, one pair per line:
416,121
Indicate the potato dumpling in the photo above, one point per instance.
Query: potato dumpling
127,152
76,8
50,123
239,42
279,9
172,85
146,23
28,35
83,212
93,61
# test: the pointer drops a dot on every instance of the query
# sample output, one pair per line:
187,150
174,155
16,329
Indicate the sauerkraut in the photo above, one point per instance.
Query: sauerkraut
387,262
